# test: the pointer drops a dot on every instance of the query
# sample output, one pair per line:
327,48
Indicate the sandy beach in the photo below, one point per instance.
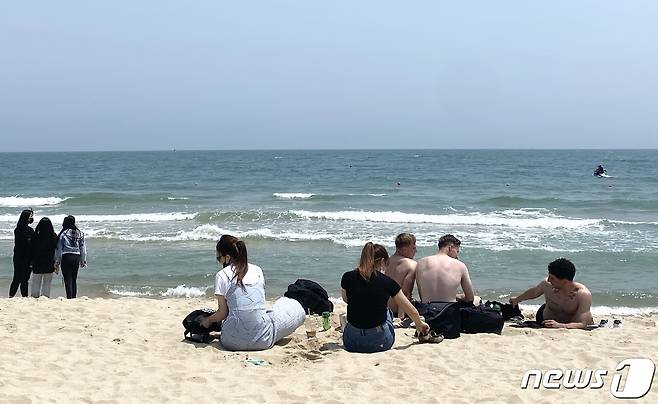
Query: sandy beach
132,350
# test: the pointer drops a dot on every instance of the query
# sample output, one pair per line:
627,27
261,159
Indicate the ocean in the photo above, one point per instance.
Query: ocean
152,218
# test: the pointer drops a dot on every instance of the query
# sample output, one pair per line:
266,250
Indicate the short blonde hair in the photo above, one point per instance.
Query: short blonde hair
404,239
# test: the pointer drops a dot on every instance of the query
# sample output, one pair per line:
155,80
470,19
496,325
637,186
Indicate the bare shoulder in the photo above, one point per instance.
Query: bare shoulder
459,265
545,285
407,264
423,262
581,291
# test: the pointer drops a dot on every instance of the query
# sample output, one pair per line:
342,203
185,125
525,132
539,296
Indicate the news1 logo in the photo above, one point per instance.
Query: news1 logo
637,384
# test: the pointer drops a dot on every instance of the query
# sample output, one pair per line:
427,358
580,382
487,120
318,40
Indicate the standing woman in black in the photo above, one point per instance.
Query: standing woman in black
71,254
44,243
23,234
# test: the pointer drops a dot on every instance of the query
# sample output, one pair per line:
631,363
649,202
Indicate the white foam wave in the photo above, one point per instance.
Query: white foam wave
292,195
19,202
606,310
520,246
184,291
212,232
376,194
203,232
632,223
492,219
486,238
521,212
296,236
178,291
177,199
133,217
208,232
137,217
129,293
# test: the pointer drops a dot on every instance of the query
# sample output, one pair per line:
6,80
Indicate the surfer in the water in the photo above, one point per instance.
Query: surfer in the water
599,171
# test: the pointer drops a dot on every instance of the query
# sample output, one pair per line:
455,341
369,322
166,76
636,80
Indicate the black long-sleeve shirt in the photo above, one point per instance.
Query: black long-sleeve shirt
42,253
22,242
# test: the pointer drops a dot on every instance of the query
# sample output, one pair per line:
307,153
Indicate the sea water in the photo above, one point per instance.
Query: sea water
152,219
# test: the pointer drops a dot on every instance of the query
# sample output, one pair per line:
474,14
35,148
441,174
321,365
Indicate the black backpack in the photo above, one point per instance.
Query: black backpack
477,319
442,317
194,331
310,295
506,309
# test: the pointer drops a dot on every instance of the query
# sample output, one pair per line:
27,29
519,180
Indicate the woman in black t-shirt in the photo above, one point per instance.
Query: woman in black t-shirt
366,291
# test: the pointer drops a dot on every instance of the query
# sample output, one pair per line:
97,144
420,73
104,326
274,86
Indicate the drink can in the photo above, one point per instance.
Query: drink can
326,320
343,321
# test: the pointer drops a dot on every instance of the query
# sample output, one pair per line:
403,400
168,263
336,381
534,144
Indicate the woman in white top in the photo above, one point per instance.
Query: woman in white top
240,291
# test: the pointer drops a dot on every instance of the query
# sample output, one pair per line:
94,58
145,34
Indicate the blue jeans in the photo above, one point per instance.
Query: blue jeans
369,340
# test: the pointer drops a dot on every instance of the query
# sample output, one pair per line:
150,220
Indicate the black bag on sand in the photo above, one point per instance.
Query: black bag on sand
194,331
310,295
506,309
477,319
442,317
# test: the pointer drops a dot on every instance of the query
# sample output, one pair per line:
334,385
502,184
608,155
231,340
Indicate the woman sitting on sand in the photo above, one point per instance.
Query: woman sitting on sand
366,291
240,291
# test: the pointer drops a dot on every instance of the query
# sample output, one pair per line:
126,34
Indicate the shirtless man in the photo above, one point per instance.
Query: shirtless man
438,276
567,304
402,268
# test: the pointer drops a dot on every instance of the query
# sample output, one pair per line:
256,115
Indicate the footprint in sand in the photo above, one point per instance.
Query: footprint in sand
313,355
290,396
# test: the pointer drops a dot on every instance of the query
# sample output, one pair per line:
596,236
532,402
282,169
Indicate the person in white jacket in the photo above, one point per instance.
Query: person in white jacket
71,254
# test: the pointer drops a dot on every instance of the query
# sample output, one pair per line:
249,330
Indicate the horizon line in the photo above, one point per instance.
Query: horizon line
173,150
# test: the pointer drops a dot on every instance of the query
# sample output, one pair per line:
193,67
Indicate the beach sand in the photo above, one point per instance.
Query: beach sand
132,350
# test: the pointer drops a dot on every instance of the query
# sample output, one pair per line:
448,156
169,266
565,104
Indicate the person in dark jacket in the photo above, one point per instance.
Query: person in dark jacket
22,243
44,243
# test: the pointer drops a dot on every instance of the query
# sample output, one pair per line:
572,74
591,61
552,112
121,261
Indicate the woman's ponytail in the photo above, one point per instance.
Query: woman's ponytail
241,263
367,261
237,250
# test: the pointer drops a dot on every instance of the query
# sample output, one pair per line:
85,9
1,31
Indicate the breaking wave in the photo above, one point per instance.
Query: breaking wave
147,291
132,217
20,202
285,195
509,218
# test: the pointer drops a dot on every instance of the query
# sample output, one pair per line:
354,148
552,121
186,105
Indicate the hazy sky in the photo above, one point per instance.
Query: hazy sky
135,75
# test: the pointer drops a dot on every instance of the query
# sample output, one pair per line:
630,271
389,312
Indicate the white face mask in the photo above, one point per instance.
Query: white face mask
382,266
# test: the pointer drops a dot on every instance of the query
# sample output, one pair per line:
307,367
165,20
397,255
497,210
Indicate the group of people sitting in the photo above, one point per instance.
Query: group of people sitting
40,252
381,287
376,291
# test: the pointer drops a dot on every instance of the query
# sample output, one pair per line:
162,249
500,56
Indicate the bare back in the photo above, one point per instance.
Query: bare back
438,277
403,271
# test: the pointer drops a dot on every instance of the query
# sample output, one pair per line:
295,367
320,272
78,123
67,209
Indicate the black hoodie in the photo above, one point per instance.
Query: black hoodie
43,253
22,241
